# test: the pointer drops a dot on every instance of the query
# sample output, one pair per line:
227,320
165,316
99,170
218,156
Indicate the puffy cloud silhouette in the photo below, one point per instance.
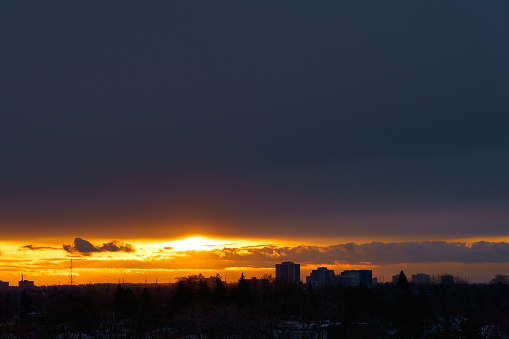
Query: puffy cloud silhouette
116,246
84,247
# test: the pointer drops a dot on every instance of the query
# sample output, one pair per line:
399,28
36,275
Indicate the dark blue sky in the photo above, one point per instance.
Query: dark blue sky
255,119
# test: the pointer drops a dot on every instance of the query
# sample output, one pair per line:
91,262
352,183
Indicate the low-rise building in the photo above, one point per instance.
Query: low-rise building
447,279
421,279
363,277
26,284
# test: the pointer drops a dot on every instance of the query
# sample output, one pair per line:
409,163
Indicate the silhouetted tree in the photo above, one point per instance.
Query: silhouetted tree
148,313
402,282
242,290
261,309
500,279
204,291
124,301
181,297
220,293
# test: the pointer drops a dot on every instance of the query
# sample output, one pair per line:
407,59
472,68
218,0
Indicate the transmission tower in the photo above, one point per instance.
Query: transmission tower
71,276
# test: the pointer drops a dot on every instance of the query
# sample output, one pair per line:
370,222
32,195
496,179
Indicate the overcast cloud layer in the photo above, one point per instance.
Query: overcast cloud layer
255,119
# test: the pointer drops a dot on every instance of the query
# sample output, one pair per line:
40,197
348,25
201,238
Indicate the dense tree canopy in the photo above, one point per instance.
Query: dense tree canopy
256,308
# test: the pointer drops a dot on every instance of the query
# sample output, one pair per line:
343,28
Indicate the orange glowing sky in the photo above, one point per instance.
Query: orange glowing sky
47,263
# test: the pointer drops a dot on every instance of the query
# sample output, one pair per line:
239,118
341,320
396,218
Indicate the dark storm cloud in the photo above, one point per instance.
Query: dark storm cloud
366,106
84,247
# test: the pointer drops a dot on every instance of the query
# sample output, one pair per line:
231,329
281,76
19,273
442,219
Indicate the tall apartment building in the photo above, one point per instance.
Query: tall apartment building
288,272
321,277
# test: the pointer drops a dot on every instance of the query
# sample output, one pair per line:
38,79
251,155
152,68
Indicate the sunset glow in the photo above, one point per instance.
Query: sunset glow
151,142
137,261
194,243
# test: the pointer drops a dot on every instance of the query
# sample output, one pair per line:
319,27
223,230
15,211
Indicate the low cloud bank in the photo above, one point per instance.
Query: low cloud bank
373,253
84,247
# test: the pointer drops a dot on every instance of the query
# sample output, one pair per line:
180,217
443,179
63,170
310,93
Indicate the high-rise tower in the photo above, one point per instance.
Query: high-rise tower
288,272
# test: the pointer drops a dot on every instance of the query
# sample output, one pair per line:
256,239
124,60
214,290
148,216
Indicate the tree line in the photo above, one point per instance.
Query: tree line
260,308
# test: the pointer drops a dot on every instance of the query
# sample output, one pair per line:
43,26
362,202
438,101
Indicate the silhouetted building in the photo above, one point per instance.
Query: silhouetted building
447,279
421,279
288,272
374,281
361,277
346,280
4,284
259,282
395,279
321,277
26,284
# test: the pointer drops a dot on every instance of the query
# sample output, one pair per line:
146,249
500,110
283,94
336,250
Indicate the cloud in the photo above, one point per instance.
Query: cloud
116,246
84,247
258,246
37,248
229,244
373,253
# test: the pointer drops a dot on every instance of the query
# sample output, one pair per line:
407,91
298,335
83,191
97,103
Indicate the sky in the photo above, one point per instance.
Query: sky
330,133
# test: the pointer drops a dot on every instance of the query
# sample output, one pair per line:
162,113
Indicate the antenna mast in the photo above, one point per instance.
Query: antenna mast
71,276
